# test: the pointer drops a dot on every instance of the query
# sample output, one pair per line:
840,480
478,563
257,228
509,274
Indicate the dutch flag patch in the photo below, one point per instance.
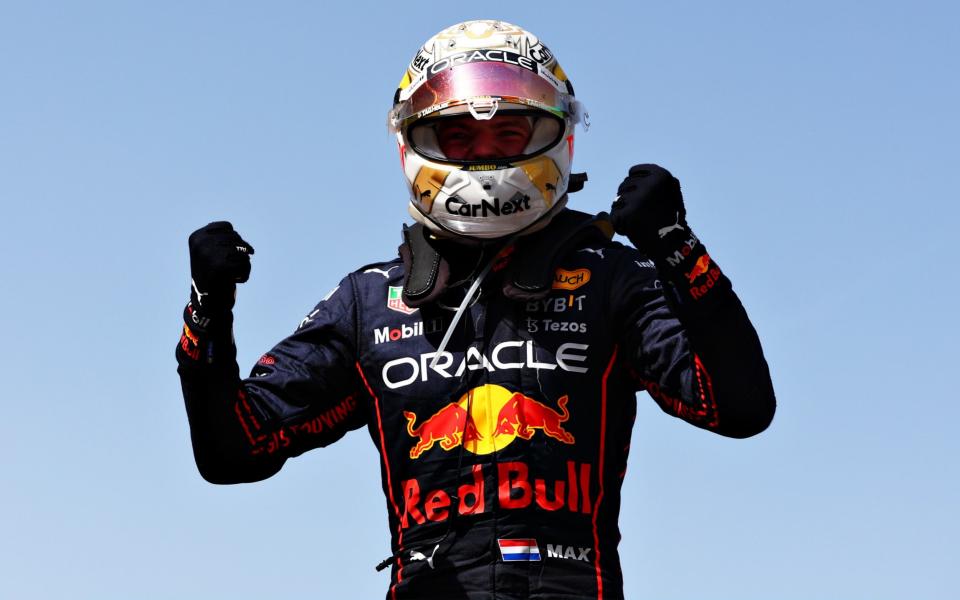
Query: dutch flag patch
513,550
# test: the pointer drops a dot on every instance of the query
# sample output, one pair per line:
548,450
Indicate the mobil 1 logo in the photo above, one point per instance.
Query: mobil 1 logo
389,334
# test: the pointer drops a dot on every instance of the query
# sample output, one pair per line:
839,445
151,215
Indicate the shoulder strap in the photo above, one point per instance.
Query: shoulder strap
530,272
530,275
426,273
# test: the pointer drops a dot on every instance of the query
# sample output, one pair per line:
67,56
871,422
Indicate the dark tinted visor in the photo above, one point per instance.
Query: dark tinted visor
508,136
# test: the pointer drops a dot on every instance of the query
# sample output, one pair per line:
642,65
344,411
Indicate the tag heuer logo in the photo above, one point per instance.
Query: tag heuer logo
395,301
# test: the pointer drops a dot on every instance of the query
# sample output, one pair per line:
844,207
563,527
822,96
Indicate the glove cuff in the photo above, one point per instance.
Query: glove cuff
202,335
697,281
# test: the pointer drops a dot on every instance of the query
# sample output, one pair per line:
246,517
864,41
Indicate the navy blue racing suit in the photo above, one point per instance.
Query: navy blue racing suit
501,457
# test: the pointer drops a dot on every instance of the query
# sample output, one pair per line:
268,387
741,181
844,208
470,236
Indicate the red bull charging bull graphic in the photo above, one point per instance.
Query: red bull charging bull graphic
699,268
190,343
702,267
496,417
482,421
449,426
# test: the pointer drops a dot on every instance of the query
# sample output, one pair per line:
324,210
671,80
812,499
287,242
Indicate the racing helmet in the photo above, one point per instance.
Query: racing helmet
485,76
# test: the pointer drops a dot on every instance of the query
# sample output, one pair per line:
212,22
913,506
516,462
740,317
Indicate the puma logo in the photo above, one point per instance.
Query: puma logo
200,294
386,273
664,231
415,555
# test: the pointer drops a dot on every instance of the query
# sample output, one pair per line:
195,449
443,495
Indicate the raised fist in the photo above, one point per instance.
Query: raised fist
649,207
219,260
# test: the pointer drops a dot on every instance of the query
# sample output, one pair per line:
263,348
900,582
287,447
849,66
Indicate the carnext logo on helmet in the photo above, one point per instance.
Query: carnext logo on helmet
518,203
483,55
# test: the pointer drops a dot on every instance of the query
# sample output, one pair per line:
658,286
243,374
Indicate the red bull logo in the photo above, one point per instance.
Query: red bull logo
189,342
699,268
517,487
449,426
522,415
496,417
703,267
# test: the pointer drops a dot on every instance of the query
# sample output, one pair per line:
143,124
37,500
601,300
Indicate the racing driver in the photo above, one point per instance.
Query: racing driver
495,361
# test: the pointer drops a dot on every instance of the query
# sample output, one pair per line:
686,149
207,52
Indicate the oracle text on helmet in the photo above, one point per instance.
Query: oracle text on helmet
490,55
514,354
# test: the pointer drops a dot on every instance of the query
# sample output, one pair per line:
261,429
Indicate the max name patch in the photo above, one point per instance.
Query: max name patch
570,280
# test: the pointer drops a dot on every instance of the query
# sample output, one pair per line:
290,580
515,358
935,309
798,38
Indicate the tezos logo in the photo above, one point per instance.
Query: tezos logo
456,206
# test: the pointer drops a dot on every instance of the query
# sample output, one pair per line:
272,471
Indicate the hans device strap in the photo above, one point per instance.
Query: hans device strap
528,276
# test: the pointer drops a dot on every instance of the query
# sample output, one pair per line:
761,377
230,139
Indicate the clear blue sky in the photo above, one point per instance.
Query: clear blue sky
817,145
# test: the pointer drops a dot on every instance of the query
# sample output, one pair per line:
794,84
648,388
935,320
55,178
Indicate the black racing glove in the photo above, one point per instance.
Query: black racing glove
649,207
219,260
649,211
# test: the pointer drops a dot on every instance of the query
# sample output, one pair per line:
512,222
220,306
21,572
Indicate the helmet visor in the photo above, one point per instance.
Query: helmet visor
508,136
465,83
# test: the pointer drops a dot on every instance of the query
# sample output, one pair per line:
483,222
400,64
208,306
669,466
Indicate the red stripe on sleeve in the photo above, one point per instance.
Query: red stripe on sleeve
707,399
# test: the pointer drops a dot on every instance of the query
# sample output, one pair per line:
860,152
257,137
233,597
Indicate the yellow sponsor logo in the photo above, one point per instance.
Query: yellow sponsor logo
570,280
188,333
